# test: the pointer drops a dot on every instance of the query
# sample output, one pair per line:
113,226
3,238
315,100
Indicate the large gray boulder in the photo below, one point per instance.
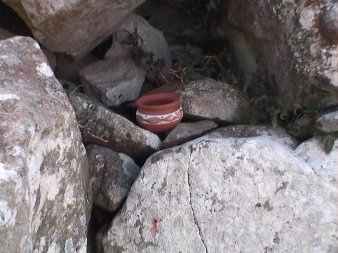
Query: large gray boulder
295,41
214,100
226,195
102,126
45,198
72,27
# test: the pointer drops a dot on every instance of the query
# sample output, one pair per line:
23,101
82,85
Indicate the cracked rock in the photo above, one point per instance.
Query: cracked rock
226,195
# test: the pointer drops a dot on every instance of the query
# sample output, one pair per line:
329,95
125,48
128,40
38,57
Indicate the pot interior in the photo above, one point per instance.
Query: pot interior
158,100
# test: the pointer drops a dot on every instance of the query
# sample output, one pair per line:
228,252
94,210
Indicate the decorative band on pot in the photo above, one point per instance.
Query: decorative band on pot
159,112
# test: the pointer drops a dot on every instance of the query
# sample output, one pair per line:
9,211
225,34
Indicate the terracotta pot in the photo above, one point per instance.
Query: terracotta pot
159,112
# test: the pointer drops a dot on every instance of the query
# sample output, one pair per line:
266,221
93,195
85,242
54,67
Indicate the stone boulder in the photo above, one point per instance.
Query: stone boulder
325,165
226,195
102,126
328,122
72,27
111,175
295,41
240,131
135,29
210,99
45,198
113,81
184,132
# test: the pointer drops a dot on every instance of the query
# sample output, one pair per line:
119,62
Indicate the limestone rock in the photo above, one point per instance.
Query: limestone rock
239,131
72,27
45,198
184,132
295,41
210,99
113,81
112,174
328,122
148,38
226,195
325,165
102,126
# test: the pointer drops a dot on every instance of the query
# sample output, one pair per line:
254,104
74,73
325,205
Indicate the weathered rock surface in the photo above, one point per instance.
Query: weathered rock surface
296,41
72,27
111,175
184,132
210,99
147,38
328,122
226,195
325,165
240,131
103,127
45,197
113,81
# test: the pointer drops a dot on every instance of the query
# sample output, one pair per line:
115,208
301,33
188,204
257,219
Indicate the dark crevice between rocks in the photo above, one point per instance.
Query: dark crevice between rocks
191,206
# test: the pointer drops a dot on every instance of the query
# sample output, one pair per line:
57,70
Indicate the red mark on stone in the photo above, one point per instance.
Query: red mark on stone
154,227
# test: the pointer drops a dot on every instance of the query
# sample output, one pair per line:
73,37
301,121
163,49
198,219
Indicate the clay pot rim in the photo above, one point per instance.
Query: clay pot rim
173,97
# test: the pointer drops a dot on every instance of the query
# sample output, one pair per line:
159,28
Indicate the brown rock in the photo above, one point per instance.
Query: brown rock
72,27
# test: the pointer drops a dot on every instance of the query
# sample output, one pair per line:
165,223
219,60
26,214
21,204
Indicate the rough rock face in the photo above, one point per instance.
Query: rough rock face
328,122
103,127
239,131
113,81
72,27
214,100
296,41
111,176
45,199
226,195
325,165
147,38
184,132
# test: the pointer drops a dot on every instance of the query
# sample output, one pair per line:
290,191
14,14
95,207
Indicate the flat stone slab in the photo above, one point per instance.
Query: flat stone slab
184,132
113,81
102,126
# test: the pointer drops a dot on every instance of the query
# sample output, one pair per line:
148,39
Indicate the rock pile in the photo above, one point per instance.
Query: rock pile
69,138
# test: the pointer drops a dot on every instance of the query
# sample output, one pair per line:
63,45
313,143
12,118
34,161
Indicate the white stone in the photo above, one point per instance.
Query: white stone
325,165
226,195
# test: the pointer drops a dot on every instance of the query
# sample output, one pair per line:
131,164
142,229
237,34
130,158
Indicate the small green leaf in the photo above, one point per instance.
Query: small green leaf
328,143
